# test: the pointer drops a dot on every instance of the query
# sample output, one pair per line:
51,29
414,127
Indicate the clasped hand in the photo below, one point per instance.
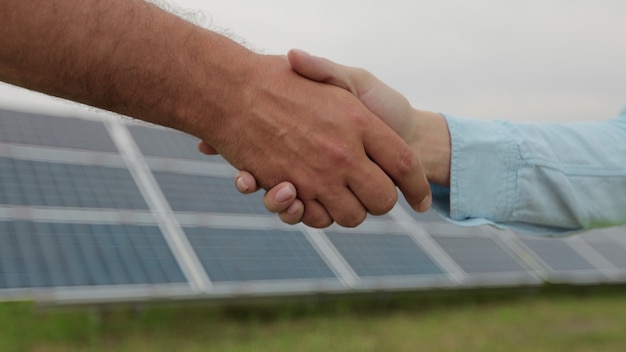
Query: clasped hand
384,102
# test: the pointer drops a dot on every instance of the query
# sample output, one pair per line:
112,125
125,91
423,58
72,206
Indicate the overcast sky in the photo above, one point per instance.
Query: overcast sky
560,60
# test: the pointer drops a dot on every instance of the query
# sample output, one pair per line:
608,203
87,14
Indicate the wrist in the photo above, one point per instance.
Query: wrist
431,142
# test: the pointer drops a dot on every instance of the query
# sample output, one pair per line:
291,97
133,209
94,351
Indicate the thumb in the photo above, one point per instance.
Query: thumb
205,148
385,102
321,70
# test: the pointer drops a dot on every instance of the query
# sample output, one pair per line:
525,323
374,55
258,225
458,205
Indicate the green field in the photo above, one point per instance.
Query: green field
580,320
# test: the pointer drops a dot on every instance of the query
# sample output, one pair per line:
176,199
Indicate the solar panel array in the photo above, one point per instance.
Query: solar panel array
103,209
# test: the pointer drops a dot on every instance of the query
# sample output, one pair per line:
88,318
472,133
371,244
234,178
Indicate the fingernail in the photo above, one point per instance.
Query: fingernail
241,185
425,204
293,208
285,193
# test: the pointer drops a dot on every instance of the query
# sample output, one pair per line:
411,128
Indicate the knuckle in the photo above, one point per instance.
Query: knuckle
342,155
406,163
338,152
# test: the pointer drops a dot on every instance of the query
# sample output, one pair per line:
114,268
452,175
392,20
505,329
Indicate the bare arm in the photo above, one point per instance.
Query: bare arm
126,56
133,58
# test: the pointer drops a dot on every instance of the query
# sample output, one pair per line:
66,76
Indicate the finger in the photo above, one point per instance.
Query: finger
315,215
385,102
393,155
293,214
319,69
356,80
245,182
344,206
373,187
204,148
280,197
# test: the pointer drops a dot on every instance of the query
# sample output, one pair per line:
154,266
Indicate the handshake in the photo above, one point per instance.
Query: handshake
329,143
427,158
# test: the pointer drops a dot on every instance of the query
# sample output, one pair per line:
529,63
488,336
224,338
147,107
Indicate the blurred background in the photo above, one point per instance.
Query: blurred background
117,235
532,60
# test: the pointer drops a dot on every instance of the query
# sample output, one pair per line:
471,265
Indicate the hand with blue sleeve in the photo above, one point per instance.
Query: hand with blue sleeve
541,178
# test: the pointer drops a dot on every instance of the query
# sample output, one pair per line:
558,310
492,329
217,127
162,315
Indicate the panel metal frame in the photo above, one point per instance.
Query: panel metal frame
167,222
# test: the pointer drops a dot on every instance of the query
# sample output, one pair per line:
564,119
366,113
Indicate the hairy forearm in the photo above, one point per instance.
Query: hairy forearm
126,56
133,58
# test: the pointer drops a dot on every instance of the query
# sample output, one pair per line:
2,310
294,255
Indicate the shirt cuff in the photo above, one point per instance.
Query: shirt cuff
483,173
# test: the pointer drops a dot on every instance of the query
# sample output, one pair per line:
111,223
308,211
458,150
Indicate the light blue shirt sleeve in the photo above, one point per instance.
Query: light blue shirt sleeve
539,178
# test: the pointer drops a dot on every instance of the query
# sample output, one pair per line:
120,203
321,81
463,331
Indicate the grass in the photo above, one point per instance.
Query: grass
463,321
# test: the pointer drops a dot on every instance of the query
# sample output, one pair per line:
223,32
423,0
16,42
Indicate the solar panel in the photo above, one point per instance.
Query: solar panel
52,131
610,243
36,183
479,255
166,143
613,252
84,214
36,254
558,255
249,255
207,194
383,255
